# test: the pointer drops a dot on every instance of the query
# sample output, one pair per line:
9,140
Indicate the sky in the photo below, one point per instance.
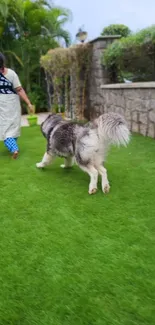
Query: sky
95,15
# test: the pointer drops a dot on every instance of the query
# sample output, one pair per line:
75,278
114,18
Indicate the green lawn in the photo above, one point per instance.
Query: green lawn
67,258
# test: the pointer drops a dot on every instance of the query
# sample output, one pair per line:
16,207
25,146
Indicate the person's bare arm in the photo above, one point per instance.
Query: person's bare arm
21,92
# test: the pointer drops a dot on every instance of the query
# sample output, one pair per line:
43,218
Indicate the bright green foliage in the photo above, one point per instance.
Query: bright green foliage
133,55
28,29
116,29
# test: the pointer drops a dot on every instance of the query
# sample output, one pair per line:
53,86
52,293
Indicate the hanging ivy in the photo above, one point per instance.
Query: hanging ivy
69,67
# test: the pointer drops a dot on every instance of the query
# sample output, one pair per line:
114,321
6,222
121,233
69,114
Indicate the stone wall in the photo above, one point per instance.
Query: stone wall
98,74
136,101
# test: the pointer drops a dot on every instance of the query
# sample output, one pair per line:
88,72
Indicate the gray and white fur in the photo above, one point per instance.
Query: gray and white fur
87,144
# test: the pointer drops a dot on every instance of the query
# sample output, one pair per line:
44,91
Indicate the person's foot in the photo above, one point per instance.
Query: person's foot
15,155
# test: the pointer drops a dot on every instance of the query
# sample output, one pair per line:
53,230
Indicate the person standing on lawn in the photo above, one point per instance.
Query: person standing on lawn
10,109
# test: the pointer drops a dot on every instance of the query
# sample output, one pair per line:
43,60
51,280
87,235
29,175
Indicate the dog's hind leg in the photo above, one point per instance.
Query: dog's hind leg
93,173
46,160
68,162
105,183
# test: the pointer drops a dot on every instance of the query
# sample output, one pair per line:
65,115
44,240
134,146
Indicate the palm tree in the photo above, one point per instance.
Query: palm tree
28,29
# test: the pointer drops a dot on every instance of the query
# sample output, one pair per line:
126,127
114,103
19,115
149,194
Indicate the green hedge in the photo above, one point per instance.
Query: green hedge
116,29
132,56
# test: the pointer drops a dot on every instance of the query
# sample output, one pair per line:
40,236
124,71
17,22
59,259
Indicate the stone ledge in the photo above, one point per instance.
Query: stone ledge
131,85
106,37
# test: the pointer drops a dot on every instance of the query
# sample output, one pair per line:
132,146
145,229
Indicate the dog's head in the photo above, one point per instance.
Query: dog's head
49,124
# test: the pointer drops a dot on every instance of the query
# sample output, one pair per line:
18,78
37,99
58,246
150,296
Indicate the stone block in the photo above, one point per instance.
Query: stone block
101,44
152,116
119,110
99,100
112,108
135,127
152,104
152,94
102,110
143,129
145,107
113,98
98,73
151,130
117,98
128,104
137,104
96,64
106,94
129,124
98,82
121,100
96,108
105,109
143,118
127,113
138,93
91,97
108,107
129,94
134,116
145,94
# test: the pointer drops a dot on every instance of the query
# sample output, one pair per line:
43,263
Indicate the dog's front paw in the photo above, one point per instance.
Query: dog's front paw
106,188
39,165
92,191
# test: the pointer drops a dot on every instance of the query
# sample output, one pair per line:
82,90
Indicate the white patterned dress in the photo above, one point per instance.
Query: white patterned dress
10,109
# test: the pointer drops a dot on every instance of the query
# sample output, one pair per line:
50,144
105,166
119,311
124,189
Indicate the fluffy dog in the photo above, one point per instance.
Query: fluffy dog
87,144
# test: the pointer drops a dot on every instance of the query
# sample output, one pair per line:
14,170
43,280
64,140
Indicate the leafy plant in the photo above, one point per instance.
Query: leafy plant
28,29
62,64
116,29
134,55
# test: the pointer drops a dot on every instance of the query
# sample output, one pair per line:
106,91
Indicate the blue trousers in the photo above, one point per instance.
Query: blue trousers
11,144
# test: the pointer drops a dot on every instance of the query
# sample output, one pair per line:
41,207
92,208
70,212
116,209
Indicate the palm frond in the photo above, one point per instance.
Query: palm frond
63,34
4,9
16,57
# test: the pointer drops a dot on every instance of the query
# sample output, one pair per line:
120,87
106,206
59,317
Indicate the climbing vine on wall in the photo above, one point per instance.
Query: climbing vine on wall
69,70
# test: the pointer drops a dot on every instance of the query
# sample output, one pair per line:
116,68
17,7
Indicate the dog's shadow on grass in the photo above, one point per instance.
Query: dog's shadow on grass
73,176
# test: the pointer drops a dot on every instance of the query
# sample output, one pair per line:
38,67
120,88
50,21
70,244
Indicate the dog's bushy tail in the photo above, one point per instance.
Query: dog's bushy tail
115,129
